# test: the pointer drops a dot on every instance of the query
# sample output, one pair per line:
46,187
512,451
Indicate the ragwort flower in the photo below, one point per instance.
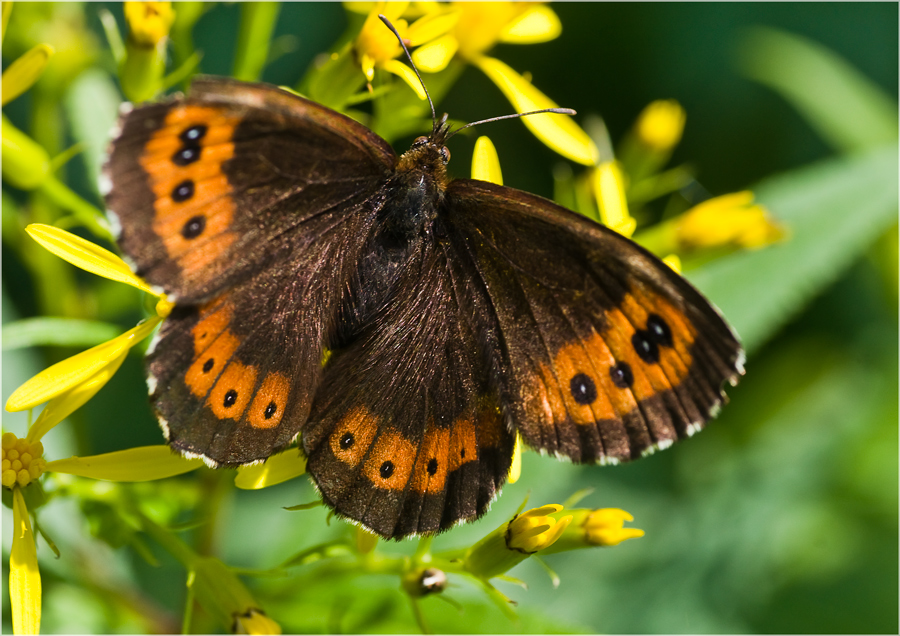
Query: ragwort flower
376,46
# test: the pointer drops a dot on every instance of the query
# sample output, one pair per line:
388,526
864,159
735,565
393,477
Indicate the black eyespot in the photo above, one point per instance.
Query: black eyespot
183,191
193,134
432,466
445,155
187,155
420,141
346,441
659,330
583,389
386,470
194,227
270,410
462,453
208,365
644,343
230,398
621,375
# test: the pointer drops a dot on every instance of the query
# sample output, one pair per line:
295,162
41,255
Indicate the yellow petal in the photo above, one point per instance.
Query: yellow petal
558,132
515,468
67,374
435,56
144,463
85,254
60,407
661,124
24,577
485,162
405,73
430,27
25,71
538,24
276,469
673,261
359,7
609,190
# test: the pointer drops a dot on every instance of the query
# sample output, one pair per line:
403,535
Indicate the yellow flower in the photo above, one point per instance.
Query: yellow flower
149,22
377,46
218,589
481,25
729,220
513,542
72,382
22,461
141,70
602,527
661,124
535,530
608,184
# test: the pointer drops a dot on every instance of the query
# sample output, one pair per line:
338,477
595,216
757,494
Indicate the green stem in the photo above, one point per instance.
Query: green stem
257,24
92,218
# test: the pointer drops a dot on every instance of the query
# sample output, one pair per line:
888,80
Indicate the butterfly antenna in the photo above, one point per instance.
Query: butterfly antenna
558,111
387,22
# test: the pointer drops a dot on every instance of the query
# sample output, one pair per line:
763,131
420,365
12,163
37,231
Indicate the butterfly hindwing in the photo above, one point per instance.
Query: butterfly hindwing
406,435
606,354
238,202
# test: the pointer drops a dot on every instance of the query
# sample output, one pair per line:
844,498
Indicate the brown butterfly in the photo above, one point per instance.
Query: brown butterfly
405,326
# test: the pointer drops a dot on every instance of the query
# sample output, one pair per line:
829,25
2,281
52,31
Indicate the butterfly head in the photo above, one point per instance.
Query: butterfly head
429,154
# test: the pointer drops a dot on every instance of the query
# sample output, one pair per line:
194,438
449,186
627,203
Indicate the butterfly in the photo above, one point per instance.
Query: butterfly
402,325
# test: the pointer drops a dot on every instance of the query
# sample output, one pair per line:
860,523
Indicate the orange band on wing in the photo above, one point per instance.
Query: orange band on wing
193,209
270,401
390,463
353,434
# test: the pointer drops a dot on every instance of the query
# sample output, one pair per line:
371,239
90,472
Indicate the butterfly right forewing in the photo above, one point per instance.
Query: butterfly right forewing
606,354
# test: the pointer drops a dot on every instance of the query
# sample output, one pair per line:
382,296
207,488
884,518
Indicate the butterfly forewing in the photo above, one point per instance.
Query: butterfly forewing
606,352
211,189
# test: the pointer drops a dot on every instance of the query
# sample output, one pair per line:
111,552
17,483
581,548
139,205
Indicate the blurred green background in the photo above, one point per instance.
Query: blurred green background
781,517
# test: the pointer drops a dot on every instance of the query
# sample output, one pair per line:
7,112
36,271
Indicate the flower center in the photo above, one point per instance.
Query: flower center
22,461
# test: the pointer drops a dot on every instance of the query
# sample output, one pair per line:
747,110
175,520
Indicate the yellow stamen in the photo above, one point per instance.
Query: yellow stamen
22,461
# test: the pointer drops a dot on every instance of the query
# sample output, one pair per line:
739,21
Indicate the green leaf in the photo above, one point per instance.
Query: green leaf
63,332
846,108
92,105
833,211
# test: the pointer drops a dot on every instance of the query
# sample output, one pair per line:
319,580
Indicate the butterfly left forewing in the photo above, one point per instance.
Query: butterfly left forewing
212,187
606,353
